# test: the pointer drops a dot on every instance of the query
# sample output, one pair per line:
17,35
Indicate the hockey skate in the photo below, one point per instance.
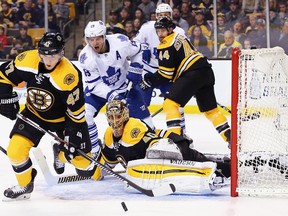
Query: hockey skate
96,151
218,182
57,164
18,192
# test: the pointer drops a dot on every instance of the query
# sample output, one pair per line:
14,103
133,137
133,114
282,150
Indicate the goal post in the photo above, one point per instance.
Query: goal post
259,122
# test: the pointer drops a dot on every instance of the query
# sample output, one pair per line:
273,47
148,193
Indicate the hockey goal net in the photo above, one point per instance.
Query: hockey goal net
259,122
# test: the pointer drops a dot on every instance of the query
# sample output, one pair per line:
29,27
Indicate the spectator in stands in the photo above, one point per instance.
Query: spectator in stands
7,15
40,8
138,14
24,38
124,16
280,37
234,14
200,21
52,20
153,16
258,36
207,7
3,40
252,23
186,14
27,15
238,32
129,28
225,49
221,28
200,42
15,50
178,20
147,7
130,5
247,43
282,14
113,20
137,24
62,14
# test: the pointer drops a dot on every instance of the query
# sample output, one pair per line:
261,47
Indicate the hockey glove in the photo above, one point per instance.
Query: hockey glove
146,53
75,141
134,73
145,83
114,95
9,105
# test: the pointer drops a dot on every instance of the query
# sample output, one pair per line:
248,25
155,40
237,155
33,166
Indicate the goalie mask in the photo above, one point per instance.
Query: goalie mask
117,115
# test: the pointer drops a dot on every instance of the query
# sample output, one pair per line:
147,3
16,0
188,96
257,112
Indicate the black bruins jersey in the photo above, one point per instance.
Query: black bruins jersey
176,55
53,97
136,138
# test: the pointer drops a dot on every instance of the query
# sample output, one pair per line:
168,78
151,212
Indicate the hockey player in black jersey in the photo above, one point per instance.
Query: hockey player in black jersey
191,74
55,102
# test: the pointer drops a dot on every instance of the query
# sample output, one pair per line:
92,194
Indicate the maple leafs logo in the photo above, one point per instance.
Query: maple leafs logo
113,76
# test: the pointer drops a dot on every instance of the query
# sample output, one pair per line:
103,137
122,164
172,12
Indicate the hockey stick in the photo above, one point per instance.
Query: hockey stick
3,150
247,117
52,179
157,112
163,190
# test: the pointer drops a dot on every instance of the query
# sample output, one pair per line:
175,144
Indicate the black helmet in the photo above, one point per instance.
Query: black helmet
51,43
164,22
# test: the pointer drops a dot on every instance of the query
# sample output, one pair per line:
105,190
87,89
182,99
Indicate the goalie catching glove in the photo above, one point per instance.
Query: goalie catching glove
9,105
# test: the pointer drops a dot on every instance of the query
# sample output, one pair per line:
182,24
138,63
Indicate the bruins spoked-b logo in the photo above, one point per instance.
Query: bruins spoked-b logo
40,99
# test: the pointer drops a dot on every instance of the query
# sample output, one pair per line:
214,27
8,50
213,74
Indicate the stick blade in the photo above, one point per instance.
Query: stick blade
164,190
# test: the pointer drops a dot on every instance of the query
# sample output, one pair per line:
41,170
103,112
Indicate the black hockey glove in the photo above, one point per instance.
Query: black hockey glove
74,137
145,83
9,105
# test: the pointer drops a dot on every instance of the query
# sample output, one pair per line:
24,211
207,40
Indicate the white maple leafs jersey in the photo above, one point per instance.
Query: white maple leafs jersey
107,71
147,34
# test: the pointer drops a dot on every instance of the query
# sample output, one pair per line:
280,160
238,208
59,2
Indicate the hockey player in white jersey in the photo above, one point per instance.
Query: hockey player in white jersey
147,34
104,61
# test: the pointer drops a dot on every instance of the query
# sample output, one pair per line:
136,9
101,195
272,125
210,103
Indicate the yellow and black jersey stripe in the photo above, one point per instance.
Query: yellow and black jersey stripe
136,138
176,55
53,96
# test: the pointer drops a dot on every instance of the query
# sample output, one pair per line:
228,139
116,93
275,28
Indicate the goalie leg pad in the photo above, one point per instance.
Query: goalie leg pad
187,176
164,149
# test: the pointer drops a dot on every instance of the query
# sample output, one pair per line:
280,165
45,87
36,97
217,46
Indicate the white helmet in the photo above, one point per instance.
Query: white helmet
163,8
94,29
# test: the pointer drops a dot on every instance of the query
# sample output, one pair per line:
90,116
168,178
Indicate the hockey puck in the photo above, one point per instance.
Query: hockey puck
124,206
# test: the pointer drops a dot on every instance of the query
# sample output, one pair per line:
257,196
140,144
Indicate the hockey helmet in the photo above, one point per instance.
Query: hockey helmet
163,8
117,115
94,29
51,43
164,22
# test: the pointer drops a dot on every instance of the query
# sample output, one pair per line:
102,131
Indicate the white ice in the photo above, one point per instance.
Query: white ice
105,197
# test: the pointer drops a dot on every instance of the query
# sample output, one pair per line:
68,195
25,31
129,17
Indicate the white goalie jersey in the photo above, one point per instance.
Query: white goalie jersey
107,71
147,34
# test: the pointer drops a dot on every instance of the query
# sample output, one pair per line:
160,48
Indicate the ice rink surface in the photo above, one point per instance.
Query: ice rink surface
105,197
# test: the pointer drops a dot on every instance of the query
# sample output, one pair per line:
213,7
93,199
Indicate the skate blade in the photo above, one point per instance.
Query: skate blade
19,198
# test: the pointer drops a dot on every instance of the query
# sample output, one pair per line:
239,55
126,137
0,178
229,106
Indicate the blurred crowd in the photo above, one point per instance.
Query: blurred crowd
22,22
240,23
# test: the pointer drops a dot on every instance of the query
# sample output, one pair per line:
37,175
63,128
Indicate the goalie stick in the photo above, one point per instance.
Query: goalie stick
163,190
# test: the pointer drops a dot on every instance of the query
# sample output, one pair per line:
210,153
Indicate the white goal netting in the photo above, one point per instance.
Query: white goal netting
262,122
